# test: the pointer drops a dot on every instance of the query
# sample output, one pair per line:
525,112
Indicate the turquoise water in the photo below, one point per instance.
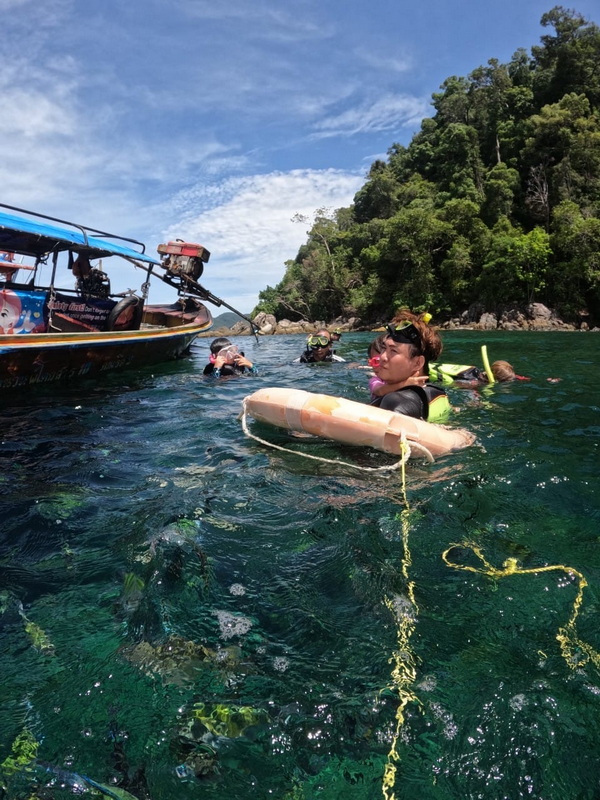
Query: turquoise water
188,614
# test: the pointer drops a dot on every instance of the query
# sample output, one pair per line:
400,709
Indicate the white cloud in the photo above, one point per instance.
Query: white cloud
266,20
33,114
376,59
24,28
388,113
255,211
249,228
10,5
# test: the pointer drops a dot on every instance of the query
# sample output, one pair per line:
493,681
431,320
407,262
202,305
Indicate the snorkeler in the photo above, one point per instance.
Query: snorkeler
225,359
408,347
501,371
318,349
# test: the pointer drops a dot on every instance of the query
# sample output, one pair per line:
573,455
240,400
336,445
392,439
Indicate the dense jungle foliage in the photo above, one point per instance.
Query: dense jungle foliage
495,200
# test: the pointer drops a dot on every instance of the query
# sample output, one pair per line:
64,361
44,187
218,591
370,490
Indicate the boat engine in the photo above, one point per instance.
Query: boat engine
183,259
95,284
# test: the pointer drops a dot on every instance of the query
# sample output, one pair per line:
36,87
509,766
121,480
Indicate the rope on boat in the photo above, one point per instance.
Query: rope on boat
405,449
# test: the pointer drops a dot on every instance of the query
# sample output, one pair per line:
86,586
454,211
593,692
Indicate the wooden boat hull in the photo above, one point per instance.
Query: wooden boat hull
36,358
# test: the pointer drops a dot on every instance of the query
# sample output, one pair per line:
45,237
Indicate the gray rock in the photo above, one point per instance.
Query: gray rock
539,311
488,322
510,326
266,323
472,314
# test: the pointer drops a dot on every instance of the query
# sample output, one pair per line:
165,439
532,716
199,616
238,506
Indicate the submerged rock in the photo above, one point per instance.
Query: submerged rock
226,720
176,661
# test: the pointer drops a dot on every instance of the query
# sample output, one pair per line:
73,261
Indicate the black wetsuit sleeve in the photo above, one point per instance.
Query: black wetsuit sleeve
208,369
407,401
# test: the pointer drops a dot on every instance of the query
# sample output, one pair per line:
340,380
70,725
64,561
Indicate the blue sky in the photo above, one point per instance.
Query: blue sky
218,122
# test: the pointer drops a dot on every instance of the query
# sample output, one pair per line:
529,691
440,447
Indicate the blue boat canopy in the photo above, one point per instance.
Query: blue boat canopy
36,237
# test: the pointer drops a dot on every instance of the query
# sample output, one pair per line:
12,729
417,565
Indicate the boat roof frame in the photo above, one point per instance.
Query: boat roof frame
33,236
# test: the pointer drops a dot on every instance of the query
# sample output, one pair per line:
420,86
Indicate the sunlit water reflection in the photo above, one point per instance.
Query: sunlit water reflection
185,613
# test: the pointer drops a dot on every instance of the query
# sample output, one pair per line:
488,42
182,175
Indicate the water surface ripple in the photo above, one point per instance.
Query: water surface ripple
187,614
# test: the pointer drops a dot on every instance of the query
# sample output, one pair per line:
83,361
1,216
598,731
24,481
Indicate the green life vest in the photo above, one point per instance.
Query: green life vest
448,373
435,401
439,409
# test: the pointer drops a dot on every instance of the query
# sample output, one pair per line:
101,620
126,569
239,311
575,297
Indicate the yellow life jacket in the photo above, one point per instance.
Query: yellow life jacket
448,373
439,409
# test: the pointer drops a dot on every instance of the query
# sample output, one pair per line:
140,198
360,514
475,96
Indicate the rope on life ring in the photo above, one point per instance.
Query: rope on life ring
132,324
405,454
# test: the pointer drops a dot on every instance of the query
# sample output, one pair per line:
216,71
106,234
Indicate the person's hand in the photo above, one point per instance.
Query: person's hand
416,380
242,361
219,361
413,380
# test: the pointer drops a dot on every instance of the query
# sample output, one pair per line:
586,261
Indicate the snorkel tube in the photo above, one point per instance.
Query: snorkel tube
486,364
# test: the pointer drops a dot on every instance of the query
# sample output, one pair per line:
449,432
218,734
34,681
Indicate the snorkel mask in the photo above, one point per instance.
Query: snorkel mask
317,342
404,333
229,353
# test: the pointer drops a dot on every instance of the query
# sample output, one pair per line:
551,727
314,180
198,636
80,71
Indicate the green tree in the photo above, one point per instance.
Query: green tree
564,144
575,239
453,105
414,243
377,198
501,187
460,169
268,301
568,61
489,100
516,265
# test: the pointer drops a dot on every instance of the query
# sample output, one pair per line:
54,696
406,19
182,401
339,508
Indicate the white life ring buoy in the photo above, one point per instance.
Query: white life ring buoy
350,422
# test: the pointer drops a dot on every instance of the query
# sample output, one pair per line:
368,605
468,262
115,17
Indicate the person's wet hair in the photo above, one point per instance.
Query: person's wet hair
377,346
218,344
503,371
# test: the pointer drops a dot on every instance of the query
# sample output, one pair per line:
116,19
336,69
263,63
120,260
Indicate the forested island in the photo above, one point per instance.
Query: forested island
494,203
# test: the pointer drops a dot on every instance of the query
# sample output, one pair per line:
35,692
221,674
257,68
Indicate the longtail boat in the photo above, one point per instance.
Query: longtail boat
60,320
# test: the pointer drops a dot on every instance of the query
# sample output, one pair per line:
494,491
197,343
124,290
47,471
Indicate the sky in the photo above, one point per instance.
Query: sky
219,122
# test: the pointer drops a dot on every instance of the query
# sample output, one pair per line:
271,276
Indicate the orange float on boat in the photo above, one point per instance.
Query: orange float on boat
352,423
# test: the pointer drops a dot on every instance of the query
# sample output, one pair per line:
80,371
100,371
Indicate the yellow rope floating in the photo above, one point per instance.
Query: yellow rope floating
404,670
575,652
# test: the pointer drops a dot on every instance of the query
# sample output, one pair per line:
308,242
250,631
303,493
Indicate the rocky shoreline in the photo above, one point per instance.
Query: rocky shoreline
532,317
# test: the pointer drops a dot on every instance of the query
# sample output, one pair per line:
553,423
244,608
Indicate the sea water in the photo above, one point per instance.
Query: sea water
187,613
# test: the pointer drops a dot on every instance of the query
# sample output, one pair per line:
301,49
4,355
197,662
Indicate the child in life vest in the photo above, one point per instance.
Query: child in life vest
461,373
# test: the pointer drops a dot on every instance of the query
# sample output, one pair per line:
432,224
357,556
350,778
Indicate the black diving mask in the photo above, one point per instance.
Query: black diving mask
404,333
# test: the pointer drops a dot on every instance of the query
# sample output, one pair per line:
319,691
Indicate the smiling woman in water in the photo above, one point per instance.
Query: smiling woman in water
409,344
